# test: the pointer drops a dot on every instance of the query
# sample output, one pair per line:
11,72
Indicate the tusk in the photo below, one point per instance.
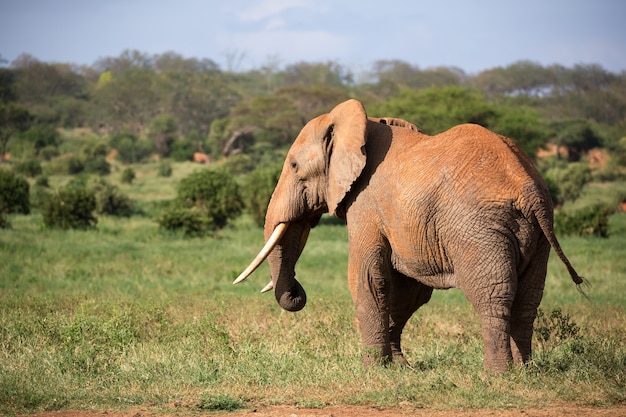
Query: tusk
269,245
268,287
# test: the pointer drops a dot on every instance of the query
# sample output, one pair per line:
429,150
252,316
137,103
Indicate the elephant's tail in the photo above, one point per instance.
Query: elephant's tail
547,226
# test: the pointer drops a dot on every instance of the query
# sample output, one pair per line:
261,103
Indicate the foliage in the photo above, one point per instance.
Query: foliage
555,328
128,175
30,167
259,187
206,200
591,220
566,182
70,208
162,132
66,165
129,148
14,193
191,222
14,118
165,169
109,198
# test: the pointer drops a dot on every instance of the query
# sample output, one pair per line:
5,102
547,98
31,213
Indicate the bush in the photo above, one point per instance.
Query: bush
14,193
130,149
109,199
259,187
70,208
593,220
66,165
97,165
165,170
128,176
206,200
191,222
31,168
214,192
567,183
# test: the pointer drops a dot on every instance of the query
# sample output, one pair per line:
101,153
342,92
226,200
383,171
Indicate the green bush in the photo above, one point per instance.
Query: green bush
191,222
165,169
130,149
259,187
14,193
592,220
66,165
567,183
30,168
214,191
128,176
70,208
97,165
109,198
206,200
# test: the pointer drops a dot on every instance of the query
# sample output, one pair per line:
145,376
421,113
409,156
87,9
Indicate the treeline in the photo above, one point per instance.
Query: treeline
144,104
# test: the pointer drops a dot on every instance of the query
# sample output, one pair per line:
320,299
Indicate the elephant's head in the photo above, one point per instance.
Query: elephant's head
324,161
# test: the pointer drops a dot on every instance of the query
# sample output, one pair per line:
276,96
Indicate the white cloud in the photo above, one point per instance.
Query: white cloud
290,46
269,8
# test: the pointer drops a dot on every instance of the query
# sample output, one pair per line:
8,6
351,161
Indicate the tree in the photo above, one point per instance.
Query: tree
437,109
577,135
163,133
13,119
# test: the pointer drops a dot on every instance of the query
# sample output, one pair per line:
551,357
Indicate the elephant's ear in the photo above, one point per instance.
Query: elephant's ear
349,123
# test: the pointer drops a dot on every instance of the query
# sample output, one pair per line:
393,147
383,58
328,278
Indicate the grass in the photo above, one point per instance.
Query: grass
125,316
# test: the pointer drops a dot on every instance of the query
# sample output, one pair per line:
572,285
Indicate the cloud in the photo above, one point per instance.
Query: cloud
288,45
269,8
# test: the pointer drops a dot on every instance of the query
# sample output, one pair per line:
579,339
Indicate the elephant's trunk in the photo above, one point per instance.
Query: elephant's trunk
282,260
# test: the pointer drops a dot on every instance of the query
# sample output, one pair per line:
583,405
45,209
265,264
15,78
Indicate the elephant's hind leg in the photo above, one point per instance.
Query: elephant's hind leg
524,310
407,295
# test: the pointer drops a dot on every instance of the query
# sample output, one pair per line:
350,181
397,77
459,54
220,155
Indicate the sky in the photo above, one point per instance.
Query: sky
473,35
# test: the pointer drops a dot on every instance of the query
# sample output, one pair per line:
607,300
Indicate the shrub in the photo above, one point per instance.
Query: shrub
165,170
592,220
206,200
109,199
191,222
128,176
213,191
97,165
130,149
66,165
70,208
567,183
31,168
14,193
259,187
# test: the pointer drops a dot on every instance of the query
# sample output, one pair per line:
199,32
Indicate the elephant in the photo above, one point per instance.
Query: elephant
462,209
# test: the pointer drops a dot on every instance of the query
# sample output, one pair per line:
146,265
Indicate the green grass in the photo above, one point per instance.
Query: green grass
126,316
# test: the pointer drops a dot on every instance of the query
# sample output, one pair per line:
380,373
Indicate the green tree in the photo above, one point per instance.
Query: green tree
13,119
163,132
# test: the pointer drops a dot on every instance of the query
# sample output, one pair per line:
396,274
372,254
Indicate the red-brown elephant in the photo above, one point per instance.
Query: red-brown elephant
463,209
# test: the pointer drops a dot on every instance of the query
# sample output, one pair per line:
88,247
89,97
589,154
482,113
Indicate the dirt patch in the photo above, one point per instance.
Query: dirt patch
365,411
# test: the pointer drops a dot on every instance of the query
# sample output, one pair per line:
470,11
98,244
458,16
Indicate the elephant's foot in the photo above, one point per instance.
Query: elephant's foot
400,360
496,338
377,356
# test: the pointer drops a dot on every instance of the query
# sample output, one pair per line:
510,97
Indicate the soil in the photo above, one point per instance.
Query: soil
365,411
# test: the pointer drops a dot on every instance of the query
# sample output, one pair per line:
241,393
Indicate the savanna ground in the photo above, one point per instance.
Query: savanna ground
127,321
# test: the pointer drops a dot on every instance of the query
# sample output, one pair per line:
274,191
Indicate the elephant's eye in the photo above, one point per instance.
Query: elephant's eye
294,165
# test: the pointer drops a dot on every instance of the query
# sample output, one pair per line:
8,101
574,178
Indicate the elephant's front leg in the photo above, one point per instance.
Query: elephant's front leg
369,273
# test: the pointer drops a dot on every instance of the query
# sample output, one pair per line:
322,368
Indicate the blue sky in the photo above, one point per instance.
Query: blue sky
241,34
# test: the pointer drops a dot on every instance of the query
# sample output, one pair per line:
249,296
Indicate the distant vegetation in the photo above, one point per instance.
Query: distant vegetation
62,119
